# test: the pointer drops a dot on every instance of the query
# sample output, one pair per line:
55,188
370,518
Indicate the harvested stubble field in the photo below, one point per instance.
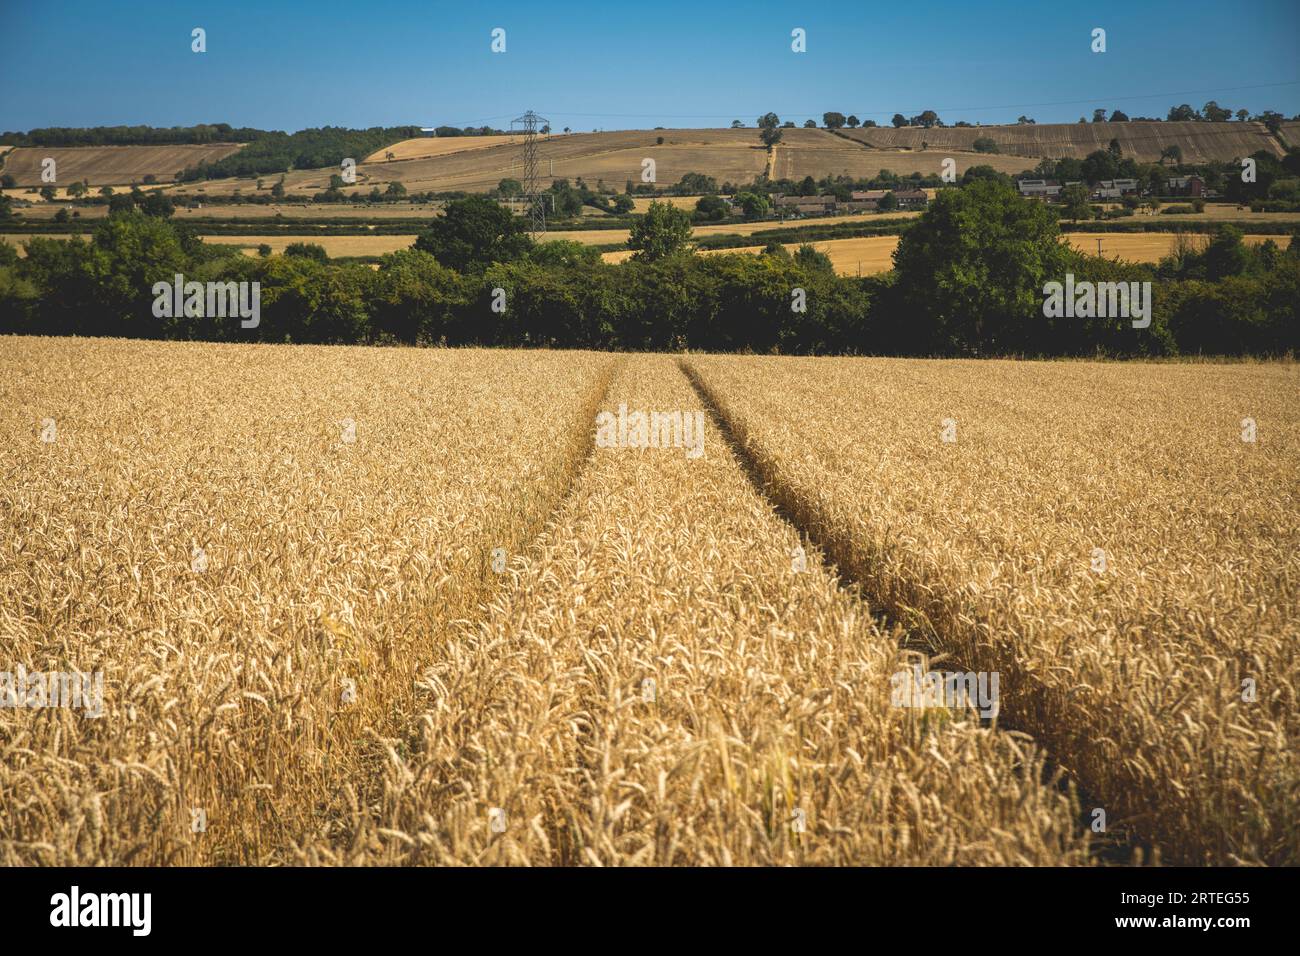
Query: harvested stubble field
868,255
651,678
111,165
1131,678
1141,140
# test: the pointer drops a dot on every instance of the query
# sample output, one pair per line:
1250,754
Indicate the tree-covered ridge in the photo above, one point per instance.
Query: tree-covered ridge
133,135
306,149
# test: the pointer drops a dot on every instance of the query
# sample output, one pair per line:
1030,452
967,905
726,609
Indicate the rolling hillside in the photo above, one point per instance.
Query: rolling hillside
1139,140
479,163
111,165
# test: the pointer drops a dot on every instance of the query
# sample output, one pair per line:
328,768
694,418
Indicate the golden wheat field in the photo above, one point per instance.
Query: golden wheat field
1102,535
376,606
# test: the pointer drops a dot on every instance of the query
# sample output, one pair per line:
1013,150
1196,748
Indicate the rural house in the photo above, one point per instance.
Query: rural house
1185,186
805,205
1039,188
911,198
1115,188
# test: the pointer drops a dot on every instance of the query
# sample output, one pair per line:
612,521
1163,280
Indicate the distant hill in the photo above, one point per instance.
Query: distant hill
479,163
110,165
1140,140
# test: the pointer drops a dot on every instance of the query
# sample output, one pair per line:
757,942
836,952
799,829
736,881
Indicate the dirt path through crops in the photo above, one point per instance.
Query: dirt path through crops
672,676
910,635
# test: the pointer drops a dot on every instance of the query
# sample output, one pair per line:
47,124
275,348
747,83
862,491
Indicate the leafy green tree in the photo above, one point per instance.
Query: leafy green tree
899,120
306,250
711,209
395,190
808,256
985,144
264,250
414,299
473,233
155,203
851,122
277,190
1215,113
1272,121
971,271
77,190
832,120
623,204
696,184
48,192
131,252
510,188
1074,201
769,129
1226,255
984,172
1098,165
810,124
753,205
663,231
888,202
1118,116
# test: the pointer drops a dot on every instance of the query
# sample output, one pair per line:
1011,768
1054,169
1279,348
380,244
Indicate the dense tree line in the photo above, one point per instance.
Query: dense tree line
133,135
306,149
969,280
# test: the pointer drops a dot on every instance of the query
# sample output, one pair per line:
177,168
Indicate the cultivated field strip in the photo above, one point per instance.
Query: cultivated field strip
111,165
1139,139
769,702
1100,534
246,684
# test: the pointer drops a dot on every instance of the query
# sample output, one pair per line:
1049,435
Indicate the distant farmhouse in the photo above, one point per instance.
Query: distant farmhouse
1112,189
1115,189
1186,186
1040,188
861,200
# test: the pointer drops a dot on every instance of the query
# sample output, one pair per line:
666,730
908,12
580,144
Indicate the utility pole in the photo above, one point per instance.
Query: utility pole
530,123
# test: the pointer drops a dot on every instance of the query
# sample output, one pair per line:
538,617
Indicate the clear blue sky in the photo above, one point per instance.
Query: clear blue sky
622,64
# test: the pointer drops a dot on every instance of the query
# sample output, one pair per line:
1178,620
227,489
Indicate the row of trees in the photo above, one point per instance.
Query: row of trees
133,135
968,280
306,149
1211,112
